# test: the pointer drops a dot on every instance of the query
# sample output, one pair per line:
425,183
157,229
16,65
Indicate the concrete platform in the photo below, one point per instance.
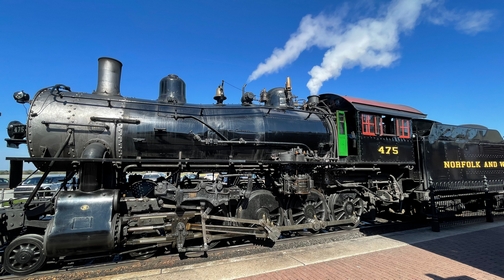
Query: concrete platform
464,252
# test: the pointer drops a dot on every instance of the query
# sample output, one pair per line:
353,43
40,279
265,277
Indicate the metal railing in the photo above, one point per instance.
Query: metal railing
7,195
457,203
40,194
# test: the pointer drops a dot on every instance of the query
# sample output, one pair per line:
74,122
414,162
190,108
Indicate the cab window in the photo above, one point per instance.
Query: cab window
404,128
368,124
384,125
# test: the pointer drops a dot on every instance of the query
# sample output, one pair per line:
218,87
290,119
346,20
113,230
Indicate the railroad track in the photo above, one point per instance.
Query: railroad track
113,265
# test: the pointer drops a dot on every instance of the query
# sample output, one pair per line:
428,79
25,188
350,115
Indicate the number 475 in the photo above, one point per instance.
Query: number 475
387,150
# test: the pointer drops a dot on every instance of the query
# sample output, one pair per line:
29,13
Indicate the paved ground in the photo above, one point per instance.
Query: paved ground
464,252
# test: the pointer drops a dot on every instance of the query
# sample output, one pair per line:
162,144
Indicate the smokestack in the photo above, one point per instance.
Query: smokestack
313,99
109,77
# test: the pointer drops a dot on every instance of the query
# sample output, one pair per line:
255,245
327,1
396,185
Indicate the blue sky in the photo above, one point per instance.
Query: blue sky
444,58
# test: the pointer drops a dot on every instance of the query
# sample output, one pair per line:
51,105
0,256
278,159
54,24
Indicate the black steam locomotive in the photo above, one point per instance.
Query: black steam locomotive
276,167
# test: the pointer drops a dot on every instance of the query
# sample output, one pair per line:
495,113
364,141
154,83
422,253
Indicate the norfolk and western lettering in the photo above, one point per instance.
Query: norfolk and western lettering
473,164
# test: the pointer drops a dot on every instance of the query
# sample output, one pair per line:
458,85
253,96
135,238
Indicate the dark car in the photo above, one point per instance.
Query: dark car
4,183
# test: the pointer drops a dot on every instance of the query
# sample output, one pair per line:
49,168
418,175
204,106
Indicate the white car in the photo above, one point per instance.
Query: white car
153,176
51,184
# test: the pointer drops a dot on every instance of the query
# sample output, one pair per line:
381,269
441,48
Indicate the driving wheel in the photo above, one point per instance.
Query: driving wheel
348,205
302,210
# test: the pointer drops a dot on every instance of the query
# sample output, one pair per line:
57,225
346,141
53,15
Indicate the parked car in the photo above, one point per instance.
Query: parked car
153,176
188,175
51,184
4,183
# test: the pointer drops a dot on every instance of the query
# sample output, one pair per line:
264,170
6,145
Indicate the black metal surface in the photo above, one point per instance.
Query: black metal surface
453,155
387,150
15,173
166,130
82,224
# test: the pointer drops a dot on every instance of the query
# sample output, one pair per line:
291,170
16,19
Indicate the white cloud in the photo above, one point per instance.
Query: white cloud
469,22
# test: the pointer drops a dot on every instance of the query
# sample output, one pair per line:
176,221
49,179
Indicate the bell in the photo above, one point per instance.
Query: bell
219,94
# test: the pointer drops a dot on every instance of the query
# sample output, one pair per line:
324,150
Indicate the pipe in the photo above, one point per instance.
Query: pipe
91,172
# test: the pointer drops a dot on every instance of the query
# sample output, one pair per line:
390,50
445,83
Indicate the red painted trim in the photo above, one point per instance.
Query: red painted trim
382,104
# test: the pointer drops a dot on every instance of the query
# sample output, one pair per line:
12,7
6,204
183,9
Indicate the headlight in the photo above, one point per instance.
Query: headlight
21,97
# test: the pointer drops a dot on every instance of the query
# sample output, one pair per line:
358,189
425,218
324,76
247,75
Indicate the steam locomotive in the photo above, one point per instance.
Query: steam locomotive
276,167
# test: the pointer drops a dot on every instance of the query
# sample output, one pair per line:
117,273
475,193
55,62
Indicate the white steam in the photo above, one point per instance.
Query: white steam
369,42
317,31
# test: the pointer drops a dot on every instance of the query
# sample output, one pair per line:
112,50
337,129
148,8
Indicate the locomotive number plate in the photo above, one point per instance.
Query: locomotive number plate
388,150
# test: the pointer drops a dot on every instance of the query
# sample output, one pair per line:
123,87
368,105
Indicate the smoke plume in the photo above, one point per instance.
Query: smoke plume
368,42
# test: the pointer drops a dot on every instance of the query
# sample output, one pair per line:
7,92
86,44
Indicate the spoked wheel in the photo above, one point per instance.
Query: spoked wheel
276,217
346,206
273,219
302,210
24,255
143,254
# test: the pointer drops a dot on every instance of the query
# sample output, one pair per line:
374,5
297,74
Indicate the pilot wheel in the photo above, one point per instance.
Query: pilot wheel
24,255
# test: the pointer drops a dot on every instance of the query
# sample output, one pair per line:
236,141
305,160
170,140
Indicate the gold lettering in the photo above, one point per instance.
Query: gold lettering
387,150
471,164
491,163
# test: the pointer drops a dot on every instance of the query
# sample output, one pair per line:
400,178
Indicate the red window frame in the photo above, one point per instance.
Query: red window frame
404,128
368,123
